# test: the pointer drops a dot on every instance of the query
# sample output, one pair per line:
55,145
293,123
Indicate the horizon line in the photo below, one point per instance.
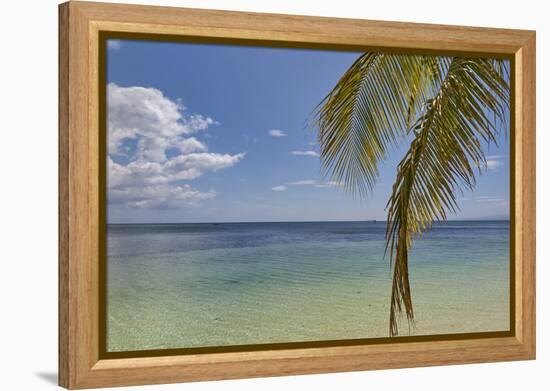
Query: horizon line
292,221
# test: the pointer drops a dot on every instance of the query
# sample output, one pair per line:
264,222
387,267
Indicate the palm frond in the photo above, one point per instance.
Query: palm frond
443,159
369,110
445,104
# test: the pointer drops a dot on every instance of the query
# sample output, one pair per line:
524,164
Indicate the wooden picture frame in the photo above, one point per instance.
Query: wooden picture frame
80,173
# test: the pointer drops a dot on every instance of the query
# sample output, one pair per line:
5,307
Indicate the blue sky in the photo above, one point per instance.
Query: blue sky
208,133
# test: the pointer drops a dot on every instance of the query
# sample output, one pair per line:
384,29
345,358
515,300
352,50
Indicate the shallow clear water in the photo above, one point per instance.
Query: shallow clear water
190,285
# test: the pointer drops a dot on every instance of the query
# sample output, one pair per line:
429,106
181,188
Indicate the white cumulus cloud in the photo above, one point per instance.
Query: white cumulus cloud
155,121
164,152
158,196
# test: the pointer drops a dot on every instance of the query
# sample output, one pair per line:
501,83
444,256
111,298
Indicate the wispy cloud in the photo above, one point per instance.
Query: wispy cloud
495,198
490,199
250,140
328,184
305,153
307,182
494,162
114,44
303,182
276,133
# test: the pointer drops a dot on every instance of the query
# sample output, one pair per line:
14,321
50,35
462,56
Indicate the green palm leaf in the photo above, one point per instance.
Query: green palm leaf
443,158
369,111
458,103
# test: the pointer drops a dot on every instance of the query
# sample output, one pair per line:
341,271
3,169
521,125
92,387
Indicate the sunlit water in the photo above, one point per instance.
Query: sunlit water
190,285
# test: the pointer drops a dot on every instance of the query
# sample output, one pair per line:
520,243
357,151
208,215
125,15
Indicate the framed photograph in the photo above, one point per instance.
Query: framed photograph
247,195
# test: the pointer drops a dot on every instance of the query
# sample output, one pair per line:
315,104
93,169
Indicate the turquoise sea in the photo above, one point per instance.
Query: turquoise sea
191,285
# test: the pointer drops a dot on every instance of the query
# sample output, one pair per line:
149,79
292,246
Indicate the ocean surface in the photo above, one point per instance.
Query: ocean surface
196,285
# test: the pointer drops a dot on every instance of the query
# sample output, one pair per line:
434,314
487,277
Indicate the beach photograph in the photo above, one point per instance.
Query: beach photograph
272,195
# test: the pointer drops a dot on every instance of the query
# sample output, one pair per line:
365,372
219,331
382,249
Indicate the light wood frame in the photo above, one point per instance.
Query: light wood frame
80,24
